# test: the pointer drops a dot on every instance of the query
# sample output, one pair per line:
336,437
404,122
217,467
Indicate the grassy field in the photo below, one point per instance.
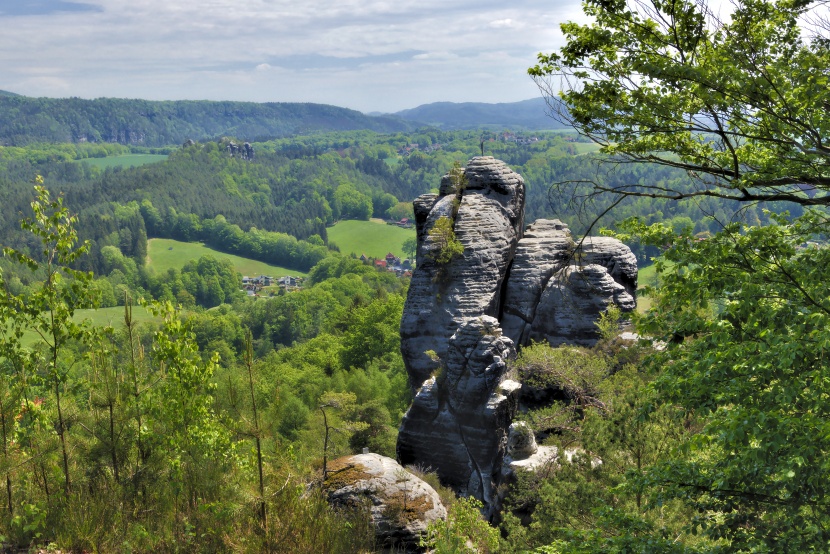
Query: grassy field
99,318
373,238
164,254
585,147
647,276
126,160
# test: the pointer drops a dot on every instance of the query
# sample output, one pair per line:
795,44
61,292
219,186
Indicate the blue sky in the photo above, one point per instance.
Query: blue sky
370,55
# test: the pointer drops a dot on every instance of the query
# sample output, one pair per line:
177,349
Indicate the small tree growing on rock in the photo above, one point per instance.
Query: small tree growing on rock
343,402
445,246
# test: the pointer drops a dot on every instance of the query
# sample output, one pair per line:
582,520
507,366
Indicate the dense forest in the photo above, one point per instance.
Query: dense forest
25,120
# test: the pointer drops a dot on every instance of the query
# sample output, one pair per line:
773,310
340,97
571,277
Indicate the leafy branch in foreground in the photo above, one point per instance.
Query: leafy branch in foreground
739,103
746,320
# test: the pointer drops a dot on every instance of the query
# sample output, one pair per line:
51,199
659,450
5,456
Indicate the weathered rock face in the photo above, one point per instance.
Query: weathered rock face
400,504
615,257
538,286
572,302
488,224
545,249
458,422
551,296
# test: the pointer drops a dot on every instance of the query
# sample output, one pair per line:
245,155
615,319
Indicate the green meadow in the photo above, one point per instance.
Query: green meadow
125,160
373,238
585,147
100,317
647,276
164,254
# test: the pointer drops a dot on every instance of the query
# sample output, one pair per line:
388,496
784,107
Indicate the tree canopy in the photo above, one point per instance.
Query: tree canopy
738,100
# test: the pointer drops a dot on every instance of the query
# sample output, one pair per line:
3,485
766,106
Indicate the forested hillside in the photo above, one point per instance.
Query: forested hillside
528,114
25,120
299,186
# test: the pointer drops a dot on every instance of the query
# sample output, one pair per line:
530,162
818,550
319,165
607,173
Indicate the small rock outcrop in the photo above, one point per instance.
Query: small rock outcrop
458,421
401,505
464,318
521,442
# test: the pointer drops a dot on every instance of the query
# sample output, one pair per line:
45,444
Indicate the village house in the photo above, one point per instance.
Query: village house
392,260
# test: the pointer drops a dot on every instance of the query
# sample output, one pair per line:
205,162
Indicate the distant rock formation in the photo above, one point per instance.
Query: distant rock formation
246,151
464,318
401,505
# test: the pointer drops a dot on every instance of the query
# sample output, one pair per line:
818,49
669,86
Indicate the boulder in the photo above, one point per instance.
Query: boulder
400,504
521,441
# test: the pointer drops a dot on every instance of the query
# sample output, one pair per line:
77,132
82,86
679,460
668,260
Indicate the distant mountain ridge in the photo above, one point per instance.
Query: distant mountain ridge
528,114
25,120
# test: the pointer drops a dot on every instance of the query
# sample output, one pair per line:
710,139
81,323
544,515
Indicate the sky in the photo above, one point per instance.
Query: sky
369,55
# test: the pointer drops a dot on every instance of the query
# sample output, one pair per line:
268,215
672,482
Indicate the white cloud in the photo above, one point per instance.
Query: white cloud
502,24
365,54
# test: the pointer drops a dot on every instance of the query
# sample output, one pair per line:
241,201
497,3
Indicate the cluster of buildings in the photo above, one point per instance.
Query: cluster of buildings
507,136
253,285
391,263
404,223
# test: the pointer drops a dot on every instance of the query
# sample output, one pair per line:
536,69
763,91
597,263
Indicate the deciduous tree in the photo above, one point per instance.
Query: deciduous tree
738,100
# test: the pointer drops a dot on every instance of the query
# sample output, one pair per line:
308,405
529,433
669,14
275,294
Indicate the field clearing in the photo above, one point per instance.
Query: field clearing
647,276
585,147
125,160
100,318
164,254
373,238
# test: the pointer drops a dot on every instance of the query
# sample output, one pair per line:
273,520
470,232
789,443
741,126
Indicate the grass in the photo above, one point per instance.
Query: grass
164,254
373,238
585,147
124,160
647,276
99,318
